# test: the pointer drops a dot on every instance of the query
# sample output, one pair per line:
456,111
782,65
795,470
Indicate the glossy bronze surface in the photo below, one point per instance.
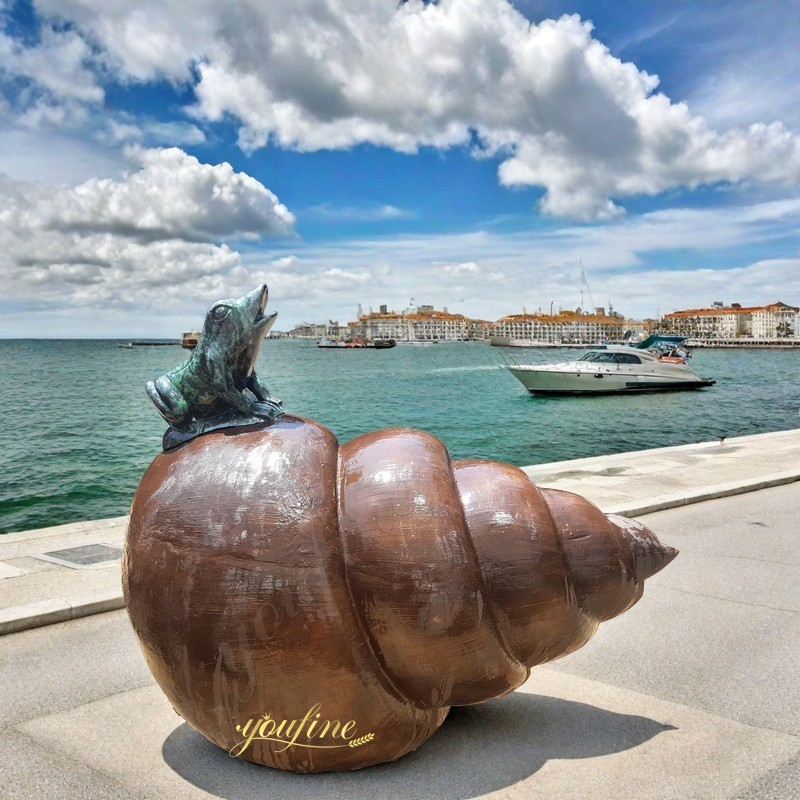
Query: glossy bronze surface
269,571
217,386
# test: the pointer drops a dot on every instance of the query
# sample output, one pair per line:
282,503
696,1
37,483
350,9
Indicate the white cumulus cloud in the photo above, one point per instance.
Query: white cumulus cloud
127,129
59,62
172,195
559,108
465,268
160,230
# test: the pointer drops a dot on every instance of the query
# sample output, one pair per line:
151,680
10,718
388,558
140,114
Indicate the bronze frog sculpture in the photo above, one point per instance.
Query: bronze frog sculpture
217,386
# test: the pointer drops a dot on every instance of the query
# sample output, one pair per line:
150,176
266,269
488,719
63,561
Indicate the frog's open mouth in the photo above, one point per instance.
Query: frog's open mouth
259,301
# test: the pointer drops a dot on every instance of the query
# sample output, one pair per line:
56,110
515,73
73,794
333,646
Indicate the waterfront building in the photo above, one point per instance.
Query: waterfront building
478,330
389,325
424,323
308,330
735,323
776,320
566,327
717,322
335,329
430,324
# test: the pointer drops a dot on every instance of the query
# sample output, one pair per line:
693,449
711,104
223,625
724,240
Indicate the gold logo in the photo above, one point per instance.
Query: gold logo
310,731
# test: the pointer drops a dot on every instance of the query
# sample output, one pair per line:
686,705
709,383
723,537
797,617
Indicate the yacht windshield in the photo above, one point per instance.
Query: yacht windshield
611,358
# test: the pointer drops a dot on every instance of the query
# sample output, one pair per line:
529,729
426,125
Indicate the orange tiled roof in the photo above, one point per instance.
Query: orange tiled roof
711,312
558,319
423,315
417,316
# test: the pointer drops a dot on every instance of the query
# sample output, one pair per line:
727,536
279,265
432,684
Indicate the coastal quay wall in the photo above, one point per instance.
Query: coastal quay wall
729,344
503,341
39,587
749,344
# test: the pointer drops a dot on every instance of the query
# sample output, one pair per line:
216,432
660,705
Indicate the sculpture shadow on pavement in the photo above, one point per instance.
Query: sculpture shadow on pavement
478,749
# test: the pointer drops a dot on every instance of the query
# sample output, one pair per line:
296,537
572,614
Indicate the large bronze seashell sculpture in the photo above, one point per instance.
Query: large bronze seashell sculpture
314,606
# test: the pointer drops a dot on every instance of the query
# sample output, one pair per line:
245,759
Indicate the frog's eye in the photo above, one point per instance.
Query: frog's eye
219,313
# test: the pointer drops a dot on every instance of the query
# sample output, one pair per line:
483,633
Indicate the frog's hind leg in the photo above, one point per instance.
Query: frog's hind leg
168,400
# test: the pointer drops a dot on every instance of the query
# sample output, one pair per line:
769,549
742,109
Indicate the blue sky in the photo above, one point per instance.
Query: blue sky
451,153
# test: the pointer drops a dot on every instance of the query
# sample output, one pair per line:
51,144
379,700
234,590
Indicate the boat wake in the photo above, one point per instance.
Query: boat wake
481,368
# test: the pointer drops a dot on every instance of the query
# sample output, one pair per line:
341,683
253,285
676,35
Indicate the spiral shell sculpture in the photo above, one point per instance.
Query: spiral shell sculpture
312,607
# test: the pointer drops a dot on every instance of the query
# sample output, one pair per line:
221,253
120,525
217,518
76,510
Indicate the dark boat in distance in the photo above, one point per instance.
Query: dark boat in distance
190,339
357,344
149,344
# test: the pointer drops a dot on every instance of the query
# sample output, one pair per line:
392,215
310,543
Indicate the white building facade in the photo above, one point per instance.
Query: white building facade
777,320
758,323
569,328
424,324
308,330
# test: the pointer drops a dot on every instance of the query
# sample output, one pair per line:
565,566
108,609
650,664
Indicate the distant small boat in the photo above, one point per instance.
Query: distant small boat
356,344
190,339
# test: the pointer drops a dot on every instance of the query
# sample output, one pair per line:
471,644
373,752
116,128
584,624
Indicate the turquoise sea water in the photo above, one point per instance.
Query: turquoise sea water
78,430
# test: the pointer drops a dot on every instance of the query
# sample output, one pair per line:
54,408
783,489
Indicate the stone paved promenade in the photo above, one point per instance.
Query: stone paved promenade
34,591
694,693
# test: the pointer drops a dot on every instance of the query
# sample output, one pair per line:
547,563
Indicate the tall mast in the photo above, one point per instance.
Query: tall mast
586,282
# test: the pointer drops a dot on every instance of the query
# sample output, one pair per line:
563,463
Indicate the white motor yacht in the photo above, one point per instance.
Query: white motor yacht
611,368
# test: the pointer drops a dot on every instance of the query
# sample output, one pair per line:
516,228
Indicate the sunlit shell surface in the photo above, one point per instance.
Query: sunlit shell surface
269,571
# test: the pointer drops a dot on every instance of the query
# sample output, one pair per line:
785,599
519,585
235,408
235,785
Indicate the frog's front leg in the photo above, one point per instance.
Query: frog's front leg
258,387
262,394
170,403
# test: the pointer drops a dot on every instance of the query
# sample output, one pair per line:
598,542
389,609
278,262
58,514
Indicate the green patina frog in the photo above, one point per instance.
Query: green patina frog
217,387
